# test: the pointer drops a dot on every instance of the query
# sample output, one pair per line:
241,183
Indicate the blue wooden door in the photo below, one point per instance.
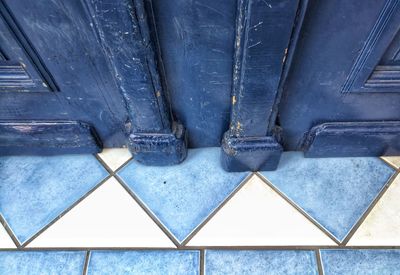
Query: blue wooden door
342,93
255,77
57,90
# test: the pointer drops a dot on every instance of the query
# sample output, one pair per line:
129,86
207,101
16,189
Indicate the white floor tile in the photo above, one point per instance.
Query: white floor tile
108,217
382,225
257,216
5,239
395,161
115,157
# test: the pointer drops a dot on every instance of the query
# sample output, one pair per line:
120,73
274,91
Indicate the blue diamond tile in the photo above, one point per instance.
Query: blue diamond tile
355,262
43,262
144,262
254,262
334,191
35,190
182,196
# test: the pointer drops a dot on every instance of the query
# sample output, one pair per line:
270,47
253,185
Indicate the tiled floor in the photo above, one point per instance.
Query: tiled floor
107,214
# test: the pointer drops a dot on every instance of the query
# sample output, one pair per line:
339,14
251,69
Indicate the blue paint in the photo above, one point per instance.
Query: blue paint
315,88
124,36
141,72
346,139
47,138
196,44
252,140
16,54
354,262
260,262
375,68
159,149
43,262
124,33
144,262
73,66
334,191
35,190
182,196
259,59
255,153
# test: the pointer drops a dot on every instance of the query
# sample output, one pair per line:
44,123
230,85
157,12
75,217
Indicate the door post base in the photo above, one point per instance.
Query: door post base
250,153
157,149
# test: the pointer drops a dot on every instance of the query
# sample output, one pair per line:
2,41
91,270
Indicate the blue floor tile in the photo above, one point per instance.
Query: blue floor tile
355,262
144,262
183,196
334,191
35,190
263,262
43,263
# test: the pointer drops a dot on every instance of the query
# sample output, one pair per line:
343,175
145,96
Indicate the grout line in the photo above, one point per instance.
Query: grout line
108,168
389,163
102,162
319,262
202,262
287,247
9,231
196,248
216,210
198,228
27,242
299,209
148,212
357,225
65,212
86,265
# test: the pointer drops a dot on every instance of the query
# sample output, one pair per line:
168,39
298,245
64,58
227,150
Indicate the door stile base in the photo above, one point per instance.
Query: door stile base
250,153
155,149
252,141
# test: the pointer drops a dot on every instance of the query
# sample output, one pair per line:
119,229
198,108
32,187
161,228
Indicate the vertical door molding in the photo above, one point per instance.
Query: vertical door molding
367,73
122,28
263,32
21,69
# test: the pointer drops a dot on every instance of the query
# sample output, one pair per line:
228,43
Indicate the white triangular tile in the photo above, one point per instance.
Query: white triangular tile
257,216
115,157
5,239
108,217
394,161
382,225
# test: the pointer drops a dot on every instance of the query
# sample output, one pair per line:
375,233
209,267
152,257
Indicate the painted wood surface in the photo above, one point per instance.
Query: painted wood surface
353,139
196,41
337,37
48,138
158,78
60,46
252,141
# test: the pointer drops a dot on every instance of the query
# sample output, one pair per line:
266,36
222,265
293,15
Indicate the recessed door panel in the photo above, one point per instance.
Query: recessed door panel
340,68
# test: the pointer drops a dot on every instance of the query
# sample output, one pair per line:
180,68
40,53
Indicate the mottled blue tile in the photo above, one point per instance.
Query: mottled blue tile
43,262
35,190
182,196
144,262
263,262
355,262
334,191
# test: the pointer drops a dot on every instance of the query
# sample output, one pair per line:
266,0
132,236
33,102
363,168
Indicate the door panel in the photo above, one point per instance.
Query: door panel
333,37
375,68
197,47
64,42
18,72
